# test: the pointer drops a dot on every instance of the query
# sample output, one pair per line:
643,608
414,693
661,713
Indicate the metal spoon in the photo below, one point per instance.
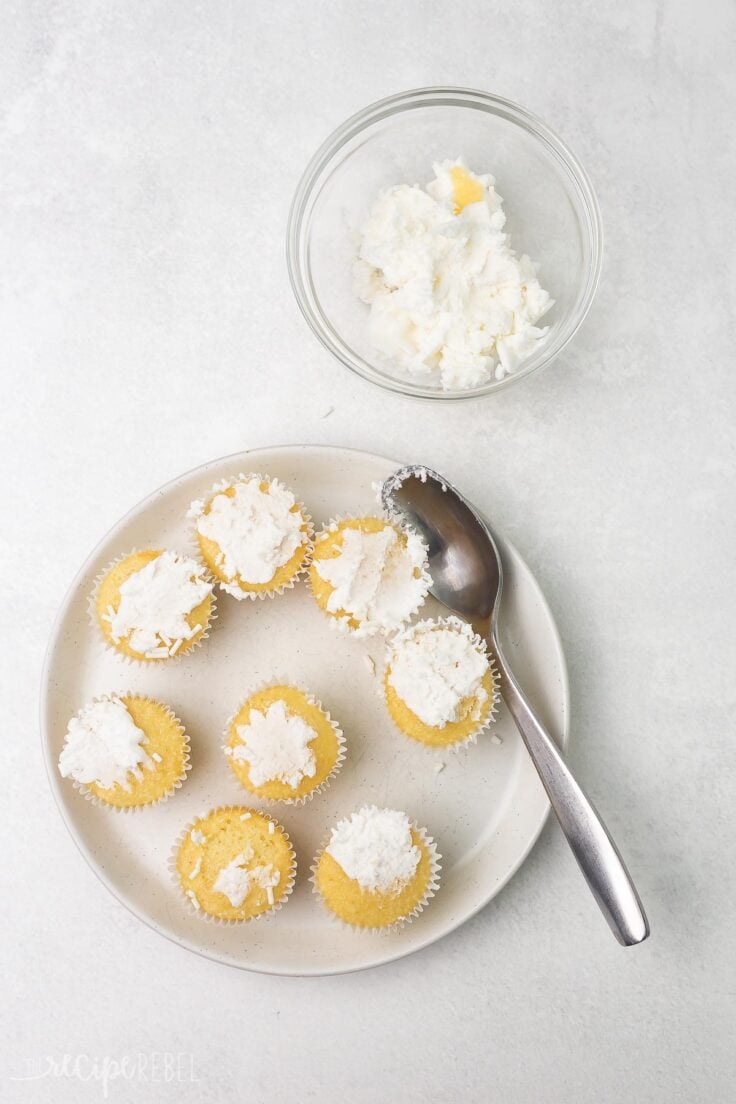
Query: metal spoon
467,577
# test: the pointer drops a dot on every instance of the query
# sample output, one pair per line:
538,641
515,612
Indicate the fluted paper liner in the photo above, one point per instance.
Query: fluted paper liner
95,799
110,648
232,588
222,920
433,884
341,745
341,623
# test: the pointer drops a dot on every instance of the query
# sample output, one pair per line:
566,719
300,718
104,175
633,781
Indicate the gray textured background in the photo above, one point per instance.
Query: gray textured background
148,153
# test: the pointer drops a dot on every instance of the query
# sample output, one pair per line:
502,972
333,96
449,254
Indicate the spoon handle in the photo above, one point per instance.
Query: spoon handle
595,851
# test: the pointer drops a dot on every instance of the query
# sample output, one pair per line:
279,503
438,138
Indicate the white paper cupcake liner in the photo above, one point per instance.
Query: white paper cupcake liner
100,802
341,623
435,862
233,589
483,725
110,648
341,745
196,909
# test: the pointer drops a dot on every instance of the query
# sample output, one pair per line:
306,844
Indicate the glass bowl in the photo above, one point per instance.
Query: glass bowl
551,210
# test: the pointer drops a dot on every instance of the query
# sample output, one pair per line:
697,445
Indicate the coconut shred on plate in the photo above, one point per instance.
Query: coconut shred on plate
450,300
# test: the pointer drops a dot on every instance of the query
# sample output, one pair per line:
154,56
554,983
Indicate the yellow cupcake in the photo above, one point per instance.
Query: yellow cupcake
153,605
126,751
439,683
377,870
368,574
234,864
253,535
282,745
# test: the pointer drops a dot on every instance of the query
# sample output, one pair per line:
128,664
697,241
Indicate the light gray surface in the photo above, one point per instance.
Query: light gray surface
148,156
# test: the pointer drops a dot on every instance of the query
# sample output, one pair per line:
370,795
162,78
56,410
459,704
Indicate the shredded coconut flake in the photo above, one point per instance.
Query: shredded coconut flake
196,868
256,531
197,836
155,603
102,745
378,579
276,746
435,666
374,846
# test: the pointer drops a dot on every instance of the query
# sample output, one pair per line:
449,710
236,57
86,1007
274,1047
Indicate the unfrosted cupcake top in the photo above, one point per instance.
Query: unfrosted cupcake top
435,666
154,604
374,846
257,530
378,579
102,745
276,746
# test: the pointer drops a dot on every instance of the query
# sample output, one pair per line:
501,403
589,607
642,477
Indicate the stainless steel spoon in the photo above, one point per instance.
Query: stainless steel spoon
467,577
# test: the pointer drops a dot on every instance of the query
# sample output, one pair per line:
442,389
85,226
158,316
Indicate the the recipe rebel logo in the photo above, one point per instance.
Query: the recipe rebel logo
157,1067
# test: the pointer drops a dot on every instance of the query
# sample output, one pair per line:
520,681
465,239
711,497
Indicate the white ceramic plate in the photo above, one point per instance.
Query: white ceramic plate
485,808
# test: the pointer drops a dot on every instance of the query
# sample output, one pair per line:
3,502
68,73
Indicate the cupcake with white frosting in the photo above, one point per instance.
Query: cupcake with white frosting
125,751
234,864
282,745
153,605
439,682
253,535
368,574
377,869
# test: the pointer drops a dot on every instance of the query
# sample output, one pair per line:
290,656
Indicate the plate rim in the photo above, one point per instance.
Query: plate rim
54,784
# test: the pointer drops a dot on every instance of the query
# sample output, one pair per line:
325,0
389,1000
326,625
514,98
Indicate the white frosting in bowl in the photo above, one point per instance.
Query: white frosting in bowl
434,666
374,847
450,300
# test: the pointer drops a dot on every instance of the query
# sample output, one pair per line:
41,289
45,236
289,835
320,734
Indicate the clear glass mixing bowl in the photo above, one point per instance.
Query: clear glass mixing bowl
551,210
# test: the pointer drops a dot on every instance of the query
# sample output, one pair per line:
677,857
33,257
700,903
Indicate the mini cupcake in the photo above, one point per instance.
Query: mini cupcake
153,605
439,682
126,751
378,870
253,535
282,745
234,864
369,574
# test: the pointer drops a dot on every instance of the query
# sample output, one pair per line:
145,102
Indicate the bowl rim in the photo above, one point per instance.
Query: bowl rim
411,99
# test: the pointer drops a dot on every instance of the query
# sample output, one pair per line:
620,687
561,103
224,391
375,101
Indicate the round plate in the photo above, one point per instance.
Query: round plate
485,807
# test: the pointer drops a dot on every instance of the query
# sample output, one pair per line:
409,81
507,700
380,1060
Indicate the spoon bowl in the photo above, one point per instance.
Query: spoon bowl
463,559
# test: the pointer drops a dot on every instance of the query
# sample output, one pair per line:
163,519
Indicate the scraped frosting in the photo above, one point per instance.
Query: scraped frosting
155,602
378,579
103,745
236,879
435,666
256,531
374,846
276,746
